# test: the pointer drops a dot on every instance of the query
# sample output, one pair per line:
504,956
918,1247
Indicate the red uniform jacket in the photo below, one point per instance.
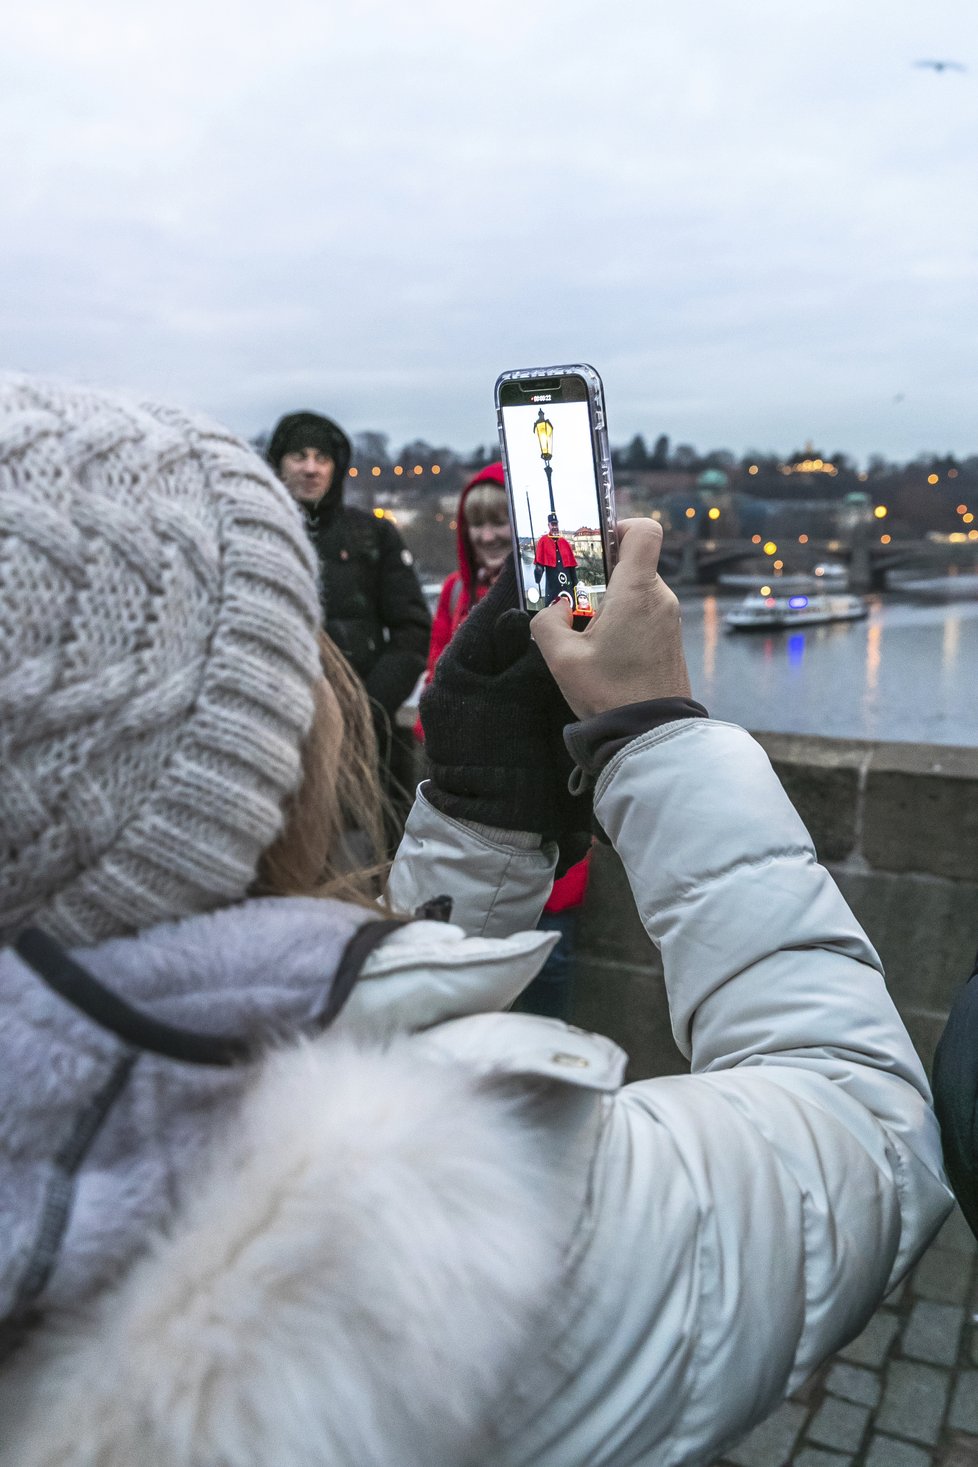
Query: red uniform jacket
546,552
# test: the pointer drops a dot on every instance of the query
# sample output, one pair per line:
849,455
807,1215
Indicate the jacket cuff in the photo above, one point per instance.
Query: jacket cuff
594,742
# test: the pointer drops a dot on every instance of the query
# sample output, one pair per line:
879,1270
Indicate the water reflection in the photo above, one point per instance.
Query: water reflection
711,633
949,642
874,654
796,649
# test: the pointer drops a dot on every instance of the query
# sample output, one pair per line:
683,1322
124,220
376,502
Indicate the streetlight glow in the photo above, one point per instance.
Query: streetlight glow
544,430
714,513
880,511
770,548
933,478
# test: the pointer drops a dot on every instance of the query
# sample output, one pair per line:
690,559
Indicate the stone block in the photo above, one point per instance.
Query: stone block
943,1275
772,1443
854,1384
920,810
957,1236
963,1415
815,1457
839,1424
885,1452
610,926
629,1005
923,930
872,1346
960,1451
821,779
933,1331
913,1401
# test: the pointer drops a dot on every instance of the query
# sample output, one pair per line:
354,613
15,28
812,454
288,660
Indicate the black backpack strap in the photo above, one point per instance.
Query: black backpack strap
354,955
141,1031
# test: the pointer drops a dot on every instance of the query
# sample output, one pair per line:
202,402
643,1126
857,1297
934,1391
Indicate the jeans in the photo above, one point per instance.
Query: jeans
551,991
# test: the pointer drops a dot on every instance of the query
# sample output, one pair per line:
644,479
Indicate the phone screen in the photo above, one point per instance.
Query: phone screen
556,497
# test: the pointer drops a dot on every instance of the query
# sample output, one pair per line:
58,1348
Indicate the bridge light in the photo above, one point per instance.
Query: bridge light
880,511
353,473
436,468
376,471
967,519
755,539
885,539
398,470
961,509
802,539
779,565
752,469
770,548
765,590
690,513
378,513
973,534
952,473
714,513
932,478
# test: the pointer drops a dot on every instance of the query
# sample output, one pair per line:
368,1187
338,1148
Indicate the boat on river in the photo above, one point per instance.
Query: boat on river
772,613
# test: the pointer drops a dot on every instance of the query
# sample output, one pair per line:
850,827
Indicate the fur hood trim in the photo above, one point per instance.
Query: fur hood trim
352,1281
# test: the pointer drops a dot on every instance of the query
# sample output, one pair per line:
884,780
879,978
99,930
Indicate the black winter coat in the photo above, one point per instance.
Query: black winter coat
373,606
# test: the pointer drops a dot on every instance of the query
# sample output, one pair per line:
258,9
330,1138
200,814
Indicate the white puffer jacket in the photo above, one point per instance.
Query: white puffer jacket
445,1234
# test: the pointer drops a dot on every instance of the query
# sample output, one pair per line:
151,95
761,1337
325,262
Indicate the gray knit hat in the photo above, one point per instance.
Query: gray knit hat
158,616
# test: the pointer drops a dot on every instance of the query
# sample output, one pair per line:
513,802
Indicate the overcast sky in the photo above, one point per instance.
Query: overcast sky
759,221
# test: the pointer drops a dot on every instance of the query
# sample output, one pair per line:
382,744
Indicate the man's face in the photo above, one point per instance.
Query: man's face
555,531
307,473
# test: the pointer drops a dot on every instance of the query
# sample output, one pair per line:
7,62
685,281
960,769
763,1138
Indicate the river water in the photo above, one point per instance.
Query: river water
909,672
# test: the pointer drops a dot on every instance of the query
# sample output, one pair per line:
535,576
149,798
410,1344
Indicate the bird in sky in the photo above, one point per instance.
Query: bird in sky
942,65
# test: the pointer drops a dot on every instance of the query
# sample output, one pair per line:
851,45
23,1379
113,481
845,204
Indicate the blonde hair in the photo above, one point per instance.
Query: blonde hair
339,797
486,504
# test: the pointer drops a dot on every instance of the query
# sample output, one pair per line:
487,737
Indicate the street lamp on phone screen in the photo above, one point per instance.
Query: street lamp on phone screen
544,430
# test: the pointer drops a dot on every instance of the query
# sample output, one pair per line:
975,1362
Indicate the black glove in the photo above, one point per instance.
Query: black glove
493,721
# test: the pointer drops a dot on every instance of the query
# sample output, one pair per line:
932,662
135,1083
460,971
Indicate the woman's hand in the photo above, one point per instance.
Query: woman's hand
493,721
633,649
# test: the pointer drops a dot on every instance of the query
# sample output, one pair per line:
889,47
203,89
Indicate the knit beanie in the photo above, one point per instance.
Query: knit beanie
158,618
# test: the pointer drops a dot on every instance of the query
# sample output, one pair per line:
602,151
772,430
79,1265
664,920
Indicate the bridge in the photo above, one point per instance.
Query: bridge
687,561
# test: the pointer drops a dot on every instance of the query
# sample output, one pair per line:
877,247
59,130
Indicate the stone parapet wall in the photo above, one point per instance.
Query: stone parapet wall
896,824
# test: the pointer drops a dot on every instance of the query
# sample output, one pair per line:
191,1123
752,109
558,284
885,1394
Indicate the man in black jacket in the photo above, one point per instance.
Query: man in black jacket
373,606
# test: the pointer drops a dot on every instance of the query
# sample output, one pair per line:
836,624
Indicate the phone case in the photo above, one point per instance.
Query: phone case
599,442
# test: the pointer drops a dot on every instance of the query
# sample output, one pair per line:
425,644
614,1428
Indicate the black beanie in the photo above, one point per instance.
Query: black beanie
297,431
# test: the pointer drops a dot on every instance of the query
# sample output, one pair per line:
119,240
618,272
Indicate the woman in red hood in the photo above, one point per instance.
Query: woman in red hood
484,542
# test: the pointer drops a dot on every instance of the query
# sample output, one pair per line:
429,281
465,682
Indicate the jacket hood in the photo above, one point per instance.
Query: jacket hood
259,973
312,430
467,564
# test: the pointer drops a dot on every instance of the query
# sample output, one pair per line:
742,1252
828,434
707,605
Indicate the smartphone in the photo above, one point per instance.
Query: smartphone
554,438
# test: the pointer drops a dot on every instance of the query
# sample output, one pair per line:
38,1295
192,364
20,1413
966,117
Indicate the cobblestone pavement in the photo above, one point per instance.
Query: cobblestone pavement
905,1393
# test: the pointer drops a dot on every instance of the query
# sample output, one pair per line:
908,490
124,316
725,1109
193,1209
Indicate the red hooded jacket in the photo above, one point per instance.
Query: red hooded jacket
459,593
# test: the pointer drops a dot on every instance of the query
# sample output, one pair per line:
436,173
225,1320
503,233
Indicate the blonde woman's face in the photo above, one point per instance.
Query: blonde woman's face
490,537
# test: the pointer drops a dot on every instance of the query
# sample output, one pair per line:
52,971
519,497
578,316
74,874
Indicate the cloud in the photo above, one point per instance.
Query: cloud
756,223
